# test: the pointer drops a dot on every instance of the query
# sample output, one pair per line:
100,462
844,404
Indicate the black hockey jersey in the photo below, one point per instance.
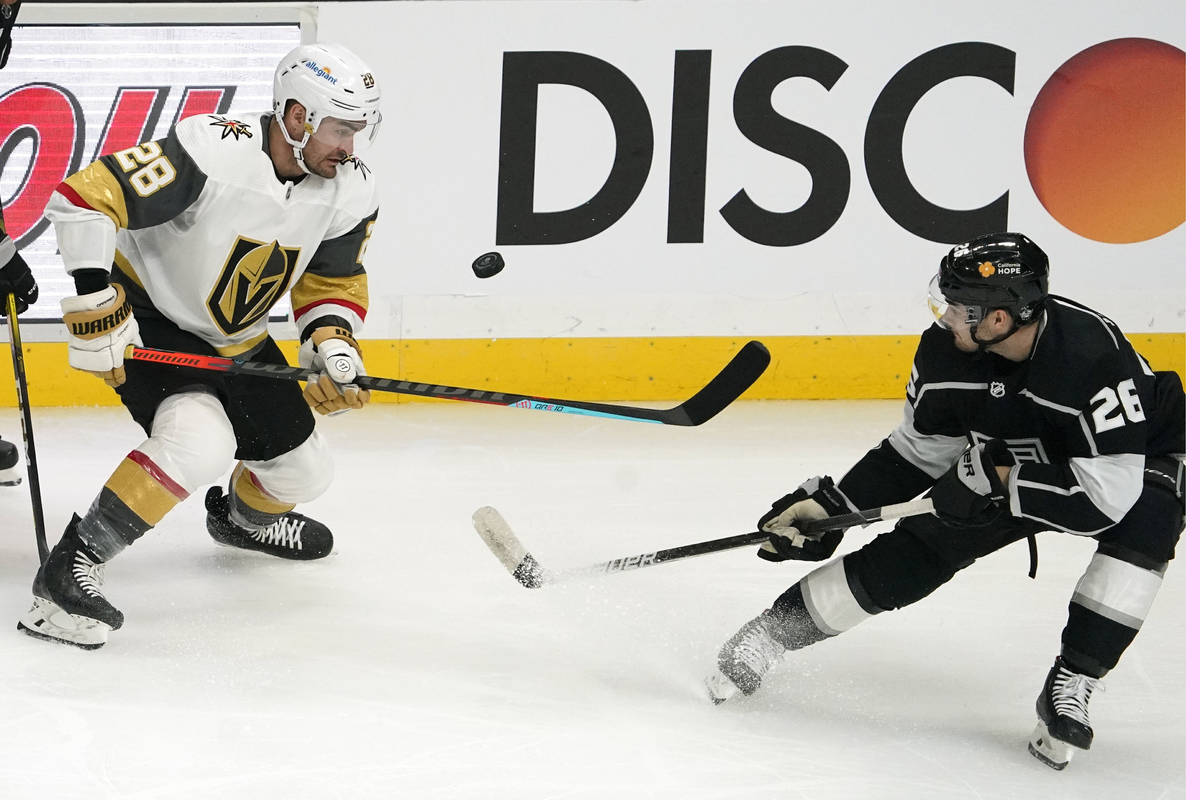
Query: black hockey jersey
1080,417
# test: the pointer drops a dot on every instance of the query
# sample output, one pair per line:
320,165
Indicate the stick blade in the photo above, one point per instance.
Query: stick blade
500,539
729,384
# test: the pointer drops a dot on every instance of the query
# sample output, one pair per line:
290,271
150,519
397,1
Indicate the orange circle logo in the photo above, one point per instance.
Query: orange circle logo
1105,141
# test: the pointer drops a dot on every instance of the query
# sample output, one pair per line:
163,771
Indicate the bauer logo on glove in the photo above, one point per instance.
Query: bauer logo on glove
971,493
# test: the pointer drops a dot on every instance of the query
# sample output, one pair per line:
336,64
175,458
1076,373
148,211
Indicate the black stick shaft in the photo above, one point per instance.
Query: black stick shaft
727,386
35,489
626,563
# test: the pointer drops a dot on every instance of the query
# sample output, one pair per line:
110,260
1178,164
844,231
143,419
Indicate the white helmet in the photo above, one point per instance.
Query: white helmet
331,83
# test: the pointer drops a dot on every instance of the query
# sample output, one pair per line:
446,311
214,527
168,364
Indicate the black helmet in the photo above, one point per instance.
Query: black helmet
997,270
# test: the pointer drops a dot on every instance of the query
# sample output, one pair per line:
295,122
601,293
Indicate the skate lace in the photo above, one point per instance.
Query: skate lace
282,533
1071,692
758,650
88,574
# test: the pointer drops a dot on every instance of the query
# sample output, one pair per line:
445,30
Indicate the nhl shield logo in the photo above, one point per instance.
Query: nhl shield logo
997,389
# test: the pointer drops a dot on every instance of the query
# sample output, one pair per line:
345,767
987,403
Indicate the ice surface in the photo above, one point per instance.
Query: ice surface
408,664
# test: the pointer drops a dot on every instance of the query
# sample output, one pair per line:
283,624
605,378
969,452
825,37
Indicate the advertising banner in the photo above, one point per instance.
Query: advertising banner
699,169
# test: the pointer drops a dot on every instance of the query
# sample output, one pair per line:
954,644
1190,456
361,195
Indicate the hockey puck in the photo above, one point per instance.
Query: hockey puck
487,265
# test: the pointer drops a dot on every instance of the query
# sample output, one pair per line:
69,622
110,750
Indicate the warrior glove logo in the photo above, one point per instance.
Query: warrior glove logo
256,275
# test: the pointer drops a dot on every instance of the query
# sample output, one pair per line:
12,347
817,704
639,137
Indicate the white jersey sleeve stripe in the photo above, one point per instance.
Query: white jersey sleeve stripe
931,454
1041,401
948,385
1113,483
1094,493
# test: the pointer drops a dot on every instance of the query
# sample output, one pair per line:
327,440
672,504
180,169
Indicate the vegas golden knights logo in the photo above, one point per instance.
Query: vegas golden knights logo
255,276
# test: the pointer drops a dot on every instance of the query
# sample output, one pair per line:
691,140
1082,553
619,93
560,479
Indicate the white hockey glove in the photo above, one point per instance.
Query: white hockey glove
816,499
100,326
335,360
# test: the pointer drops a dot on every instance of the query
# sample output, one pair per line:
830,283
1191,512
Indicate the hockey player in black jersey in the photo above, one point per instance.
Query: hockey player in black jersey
1026,412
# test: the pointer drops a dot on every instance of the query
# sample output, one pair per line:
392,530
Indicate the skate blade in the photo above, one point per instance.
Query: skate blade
289,555
1052,752
46,620
720,688
10,477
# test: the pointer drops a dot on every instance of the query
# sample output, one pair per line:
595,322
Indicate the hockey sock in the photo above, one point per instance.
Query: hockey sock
1110,602
794,626
820,605
250,505
134,499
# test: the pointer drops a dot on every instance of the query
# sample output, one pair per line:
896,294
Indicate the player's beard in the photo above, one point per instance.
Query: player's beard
963,341
966,345
322,167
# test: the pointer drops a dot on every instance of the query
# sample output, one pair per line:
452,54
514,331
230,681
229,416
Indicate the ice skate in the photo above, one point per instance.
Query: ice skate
68,605
293,535
1062,710
9,474
745,659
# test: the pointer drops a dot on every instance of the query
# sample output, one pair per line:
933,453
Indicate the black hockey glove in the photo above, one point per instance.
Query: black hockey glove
970,494
816,499
17,280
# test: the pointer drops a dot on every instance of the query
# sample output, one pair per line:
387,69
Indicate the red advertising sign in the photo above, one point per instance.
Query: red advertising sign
72,93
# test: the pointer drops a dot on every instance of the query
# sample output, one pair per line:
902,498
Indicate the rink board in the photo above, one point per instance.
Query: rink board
802,367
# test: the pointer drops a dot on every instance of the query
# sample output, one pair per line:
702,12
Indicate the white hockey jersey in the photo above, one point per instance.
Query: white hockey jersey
200,230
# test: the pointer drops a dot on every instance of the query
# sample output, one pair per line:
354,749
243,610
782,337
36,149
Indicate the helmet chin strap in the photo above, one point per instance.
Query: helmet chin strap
985,343
989,342
297,146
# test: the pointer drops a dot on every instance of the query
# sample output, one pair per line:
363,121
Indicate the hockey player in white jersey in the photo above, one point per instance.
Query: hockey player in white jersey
1026,413
186,243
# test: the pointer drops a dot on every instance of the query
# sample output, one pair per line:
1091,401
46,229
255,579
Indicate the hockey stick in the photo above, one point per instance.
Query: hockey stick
8,18
530,573
735,378
35,489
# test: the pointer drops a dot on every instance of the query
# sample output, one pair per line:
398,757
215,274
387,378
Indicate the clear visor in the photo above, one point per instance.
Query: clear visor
951,315
353,136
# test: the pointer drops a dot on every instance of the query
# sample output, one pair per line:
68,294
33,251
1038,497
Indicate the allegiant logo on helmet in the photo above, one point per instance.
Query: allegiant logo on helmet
322,72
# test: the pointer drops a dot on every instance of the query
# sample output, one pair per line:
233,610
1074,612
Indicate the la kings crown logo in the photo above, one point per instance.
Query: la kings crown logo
255,276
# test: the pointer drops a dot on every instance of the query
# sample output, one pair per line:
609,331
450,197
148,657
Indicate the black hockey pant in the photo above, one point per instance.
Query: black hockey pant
1109,603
